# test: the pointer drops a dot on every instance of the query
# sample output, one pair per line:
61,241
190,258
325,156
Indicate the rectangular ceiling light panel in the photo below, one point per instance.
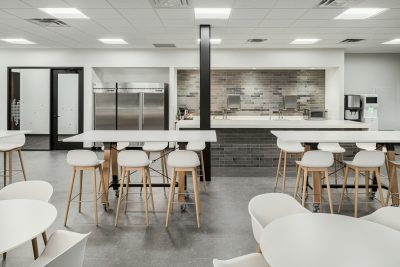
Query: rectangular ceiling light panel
305,41
17,41
64,13
212,13
113,41
360,13
393,42
212,41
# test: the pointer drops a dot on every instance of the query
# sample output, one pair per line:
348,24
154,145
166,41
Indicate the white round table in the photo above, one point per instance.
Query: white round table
22,220
315,240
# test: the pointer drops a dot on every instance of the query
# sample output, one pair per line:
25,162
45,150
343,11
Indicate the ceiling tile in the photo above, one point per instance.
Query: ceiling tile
309,23
101,13
276,23
380,3
13,4
27,13
285,13
248,13
243,23
212,22
178,22
130,3
144,13
321,13
45,3
146,23
296,3
254,3
213,3
88,3
112,23
175,13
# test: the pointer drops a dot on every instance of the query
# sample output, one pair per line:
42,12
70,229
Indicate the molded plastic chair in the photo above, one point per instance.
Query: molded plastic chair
337,151
158,147
286,149
265,208
7,146
37,190
198,147
64,249
249,260
364,161
387,216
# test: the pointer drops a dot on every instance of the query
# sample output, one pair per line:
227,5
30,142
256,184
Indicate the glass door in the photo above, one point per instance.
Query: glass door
67,106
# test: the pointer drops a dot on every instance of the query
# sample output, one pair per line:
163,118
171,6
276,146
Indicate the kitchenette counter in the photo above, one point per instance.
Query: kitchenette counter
273,124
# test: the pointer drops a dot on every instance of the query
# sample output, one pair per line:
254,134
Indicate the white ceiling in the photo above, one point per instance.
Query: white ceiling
141,25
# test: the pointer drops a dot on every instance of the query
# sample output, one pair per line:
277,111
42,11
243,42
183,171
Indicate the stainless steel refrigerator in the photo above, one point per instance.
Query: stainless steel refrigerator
131,106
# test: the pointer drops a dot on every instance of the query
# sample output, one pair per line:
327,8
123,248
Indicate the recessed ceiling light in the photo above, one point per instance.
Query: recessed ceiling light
360,13
212,13
393,42
17,41
113,41
65,13
305,41
212,41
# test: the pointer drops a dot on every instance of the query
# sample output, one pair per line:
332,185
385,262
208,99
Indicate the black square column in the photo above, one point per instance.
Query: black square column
205,92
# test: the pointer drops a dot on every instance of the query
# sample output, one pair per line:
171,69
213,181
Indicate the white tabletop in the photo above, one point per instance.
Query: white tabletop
22,220
315,240
4,133
339,136
144,136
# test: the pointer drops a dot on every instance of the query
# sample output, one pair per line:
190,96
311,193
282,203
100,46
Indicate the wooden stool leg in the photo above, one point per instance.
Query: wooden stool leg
35,248
121,192
366,190
22,163
296,187
278,170
391,177
284,172
5,168
303,198
196,196
203,172
171,195
44,236
378,180
335,164
80,190
346,174
10,156
95,197
146,206
150,189
328,188
71,187
163,168
357,173
128,180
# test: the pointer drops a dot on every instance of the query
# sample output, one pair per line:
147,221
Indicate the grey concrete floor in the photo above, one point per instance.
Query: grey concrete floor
225,224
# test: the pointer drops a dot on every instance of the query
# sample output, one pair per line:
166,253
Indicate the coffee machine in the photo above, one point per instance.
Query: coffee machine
352,107
369,113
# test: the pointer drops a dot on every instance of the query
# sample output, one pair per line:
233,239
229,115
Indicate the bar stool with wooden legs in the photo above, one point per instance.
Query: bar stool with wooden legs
394,165
158,147
8,145
337,151
372,147
182,161
198,147
286,149
364,161
314,161
131,161
83,160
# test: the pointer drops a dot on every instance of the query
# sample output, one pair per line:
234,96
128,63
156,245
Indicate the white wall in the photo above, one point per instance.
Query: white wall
158,75
376,74
172,59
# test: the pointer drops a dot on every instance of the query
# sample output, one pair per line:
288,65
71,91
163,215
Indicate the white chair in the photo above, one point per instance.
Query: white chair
392,177
364,161
83,160
314,161
286,149
7,146
249,260
337,150
36,190
198,147
182,161
128,161
64,249
158,147
372,147
265,208
387,216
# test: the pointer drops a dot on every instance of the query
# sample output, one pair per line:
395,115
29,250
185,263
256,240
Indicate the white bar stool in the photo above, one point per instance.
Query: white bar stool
314,161
198,147
286,149
158,147
7,146
337,151
364,161
83,160
134,160
395,165
372,147
184,161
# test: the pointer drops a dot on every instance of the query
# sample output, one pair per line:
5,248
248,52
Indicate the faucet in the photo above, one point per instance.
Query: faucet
225,113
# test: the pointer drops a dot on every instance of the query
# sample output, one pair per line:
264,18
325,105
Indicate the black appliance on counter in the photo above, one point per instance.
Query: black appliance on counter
352,107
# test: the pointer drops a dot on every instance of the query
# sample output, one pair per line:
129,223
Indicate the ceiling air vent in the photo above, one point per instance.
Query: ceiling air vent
49,22
256,40
171,3
164,45
352,40
337,3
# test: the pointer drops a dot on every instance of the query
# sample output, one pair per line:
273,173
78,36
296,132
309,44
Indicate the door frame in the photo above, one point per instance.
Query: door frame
80,104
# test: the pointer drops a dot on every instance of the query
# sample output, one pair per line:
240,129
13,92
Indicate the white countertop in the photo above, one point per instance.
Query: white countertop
274,124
